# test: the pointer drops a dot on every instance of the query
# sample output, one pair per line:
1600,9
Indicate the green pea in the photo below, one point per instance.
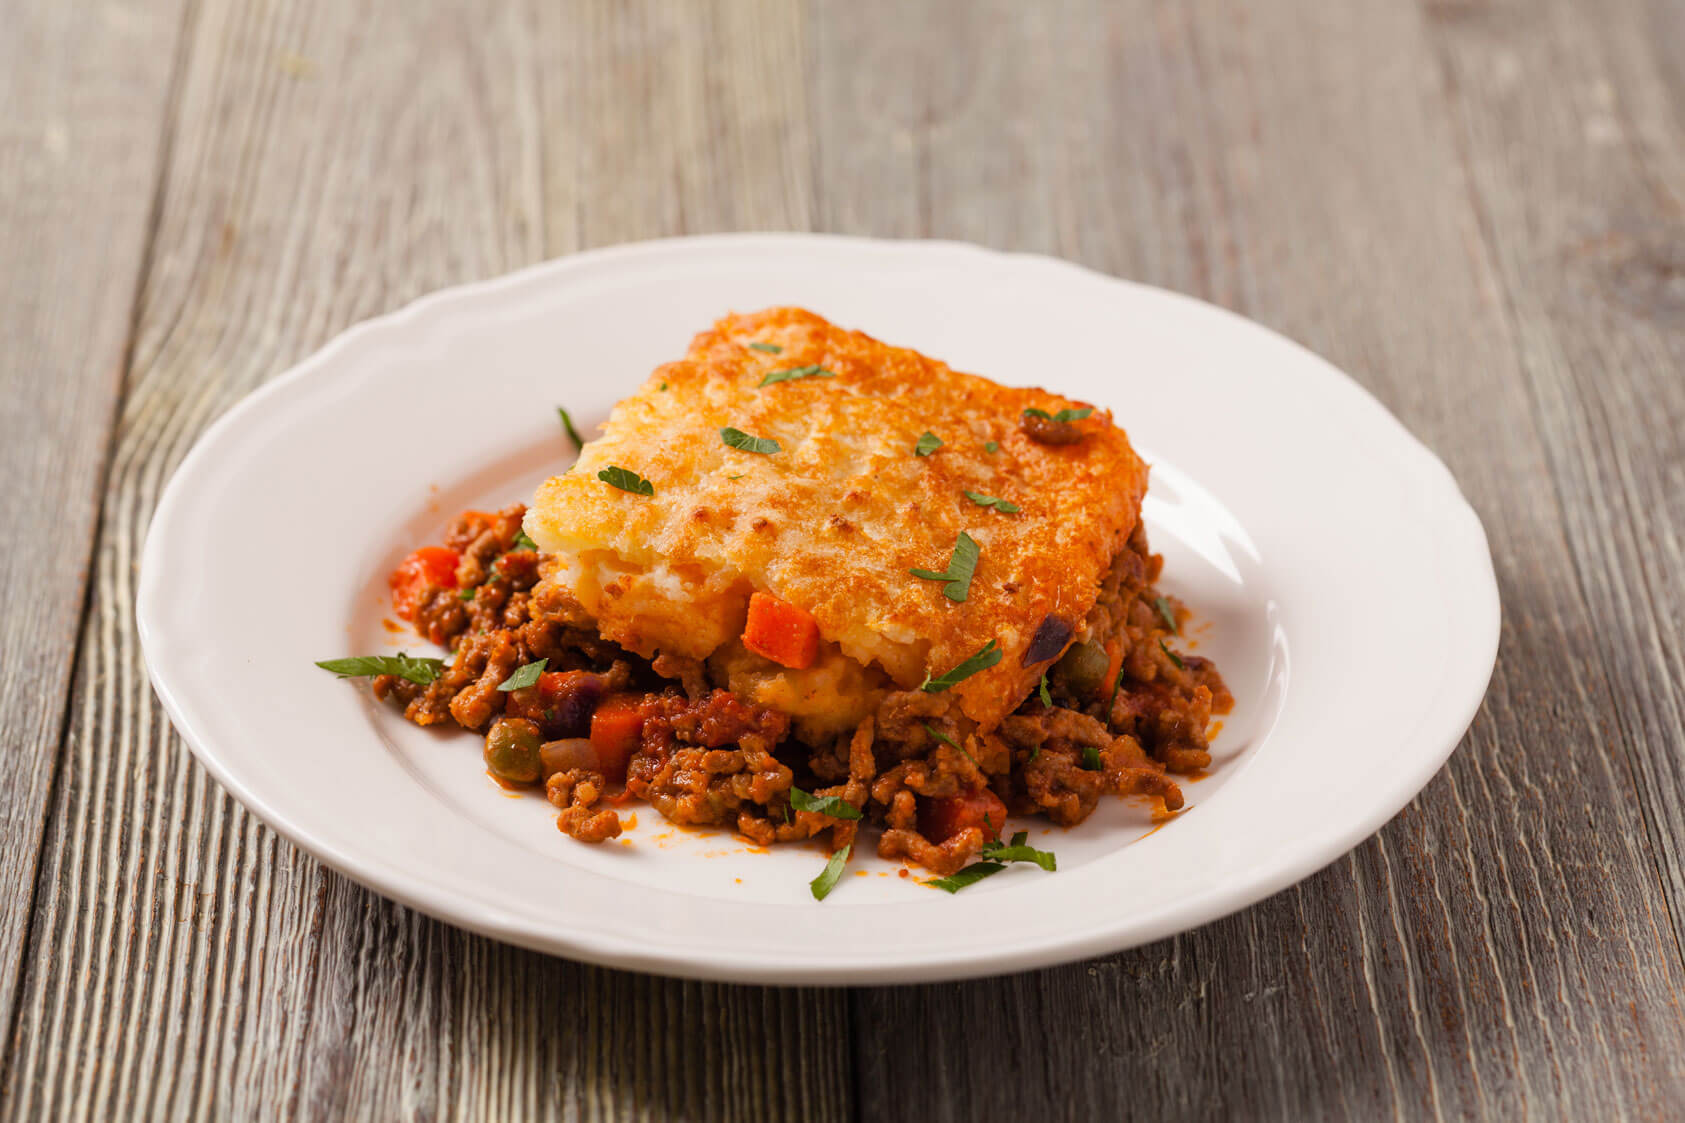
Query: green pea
1083,669
512,750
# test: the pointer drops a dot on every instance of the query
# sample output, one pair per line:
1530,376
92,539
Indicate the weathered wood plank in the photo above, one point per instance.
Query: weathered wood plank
1504,946
81,86
333,161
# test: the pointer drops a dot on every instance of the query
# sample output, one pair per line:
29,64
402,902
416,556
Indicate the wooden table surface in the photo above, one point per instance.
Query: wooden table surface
1476,207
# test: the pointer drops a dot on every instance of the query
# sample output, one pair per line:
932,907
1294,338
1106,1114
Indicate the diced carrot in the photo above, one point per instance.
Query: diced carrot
1114,663
616,732
428,567
940,819
781,632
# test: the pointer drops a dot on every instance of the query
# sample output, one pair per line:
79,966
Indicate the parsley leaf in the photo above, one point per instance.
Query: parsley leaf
952,744
833,805
822,885
769,348
991,447
987,656
1018,851
1000,505
419,671
1174,658
738,439
1117,684
467,594
1046,698
1091,759
928,443
522,542
970,875
961,565
812,370
626,480
1062,416
567,423
1168,613
523,677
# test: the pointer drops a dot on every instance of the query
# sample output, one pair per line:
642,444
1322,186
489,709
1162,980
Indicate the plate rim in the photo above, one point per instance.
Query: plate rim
1444,719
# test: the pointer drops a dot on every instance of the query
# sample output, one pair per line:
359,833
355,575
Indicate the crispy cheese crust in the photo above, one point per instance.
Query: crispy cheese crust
834,520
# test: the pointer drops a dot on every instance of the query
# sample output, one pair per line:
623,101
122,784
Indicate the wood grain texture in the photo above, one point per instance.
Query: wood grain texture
331,162
1504,947
1473,206
82,86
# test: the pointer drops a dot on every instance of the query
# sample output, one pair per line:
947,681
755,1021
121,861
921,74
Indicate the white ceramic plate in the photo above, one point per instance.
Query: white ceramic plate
1337,576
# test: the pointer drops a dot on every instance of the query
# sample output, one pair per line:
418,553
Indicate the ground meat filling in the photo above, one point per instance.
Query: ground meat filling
1126,712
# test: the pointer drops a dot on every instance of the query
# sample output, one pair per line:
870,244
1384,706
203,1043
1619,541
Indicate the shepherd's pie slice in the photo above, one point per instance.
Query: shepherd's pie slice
788,457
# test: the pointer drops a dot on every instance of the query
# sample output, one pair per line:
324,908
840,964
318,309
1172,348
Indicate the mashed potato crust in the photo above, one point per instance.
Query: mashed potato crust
834,520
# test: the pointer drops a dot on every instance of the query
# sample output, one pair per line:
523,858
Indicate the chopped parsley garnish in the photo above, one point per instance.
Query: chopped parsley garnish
567,423
1000,505
466,594
991,447
1168,613
1062,416
664,386
1174,658
833,805
970,875
769,348
831,874
626,480
928,443
1018,851
523,677
987,656
738,439
812,370
952,744
1046,698
419,671
1117,685
961,565
739,476
522,542
1091,759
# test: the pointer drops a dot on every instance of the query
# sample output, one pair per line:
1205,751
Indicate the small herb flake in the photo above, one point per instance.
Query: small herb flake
1018,851
928,443
987,656
1091,759
962,563
742,441
567,423
1117,685
523,677
626,480
1168,613
419,671
664,386
1000,505
522,542
466,594
769,348
1174,658
1046,698
833,805
970,875
812,370
991,447
822,885
952,744
1062,416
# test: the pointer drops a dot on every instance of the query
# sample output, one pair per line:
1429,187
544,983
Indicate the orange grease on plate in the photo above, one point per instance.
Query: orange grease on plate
630,822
